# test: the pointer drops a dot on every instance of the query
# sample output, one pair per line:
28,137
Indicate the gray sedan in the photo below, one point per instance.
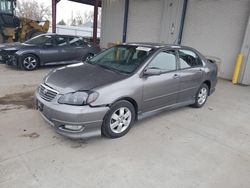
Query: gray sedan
109,92
47,49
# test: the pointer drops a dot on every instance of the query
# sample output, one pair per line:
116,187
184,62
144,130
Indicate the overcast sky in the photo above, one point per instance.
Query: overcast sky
66,8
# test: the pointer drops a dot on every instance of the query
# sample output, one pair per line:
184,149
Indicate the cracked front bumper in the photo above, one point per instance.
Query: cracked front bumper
60,116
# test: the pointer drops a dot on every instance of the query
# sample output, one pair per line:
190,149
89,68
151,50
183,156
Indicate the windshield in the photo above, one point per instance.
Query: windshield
6,6
41,39
122,58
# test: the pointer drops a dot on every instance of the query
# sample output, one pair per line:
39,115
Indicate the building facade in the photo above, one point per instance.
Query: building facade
214,27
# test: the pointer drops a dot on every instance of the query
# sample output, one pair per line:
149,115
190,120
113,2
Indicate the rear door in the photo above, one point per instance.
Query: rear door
78,47
161,90
191,74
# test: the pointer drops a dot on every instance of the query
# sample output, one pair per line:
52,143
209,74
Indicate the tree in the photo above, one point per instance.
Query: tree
73,22
79,19
33,10
62,22
85,18
88,16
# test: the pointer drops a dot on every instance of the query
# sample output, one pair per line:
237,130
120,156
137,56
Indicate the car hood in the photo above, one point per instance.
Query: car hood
14,46
80,77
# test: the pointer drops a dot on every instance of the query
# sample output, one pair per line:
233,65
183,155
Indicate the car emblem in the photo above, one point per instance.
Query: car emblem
45,91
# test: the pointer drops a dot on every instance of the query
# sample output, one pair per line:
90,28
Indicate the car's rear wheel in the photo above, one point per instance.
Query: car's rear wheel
201,96
118,120
88,57
30,62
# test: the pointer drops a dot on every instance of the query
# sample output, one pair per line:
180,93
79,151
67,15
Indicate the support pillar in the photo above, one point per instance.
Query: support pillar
96,3
54,2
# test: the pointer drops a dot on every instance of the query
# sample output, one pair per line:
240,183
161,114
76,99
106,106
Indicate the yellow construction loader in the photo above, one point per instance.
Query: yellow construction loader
14,29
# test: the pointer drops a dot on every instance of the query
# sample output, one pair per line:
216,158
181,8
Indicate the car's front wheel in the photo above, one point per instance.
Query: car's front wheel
118,120
30,62
201,96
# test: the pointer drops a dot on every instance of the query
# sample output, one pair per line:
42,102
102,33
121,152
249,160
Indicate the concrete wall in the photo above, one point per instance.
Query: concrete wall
216,28
112,21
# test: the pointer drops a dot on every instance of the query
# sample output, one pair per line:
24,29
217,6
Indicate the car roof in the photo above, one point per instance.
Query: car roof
55,34
157,45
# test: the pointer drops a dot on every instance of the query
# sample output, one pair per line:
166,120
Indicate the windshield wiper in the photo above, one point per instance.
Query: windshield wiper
112,69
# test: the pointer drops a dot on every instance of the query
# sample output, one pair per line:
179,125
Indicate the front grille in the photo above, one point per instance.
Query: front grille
7,57
47,93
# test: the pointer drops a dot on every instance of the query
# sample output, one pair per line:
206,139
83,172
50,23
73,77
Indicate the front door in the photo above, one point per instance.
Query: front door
48,51
79,48
161,90
65,53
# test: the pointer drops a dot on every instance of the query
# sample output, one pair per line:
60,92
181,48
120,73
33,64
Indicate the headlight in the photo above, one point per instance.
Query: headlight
78,98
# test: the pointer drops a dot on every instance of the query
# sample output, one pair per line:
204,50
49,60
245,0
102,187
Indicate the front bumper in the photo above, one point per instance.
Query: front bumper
8,58
59,115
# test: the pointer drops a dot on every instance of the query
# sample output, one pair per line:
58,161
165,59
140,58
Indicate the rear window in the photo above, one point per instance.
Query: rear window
189,59
75,41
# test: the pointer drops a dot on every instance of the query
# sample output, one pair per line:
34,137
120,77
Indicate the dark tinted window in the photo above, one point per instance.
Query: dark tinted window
61,41
189,59
75,41
165,61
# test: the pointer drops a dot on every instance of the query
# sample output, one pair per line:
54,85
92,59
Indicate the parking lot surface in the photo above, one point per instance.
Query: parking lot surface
186,147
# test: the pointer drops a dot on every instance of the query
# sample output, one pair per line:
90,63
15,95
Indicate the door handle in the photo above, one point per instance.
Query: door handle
176,76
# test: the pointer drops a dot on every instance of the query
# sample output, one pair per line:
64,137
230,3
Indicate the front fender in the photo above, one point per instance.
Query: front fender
129,88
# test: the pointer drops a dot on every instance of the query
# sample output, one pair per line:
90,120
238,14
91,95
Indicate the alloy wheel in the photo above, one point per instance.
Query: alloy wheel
120,120
202,96
89,57
30,63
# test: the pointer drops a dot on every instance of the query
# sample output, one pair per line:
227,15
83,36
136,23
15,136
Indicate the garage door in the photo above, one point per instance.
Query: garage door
216,28
144,20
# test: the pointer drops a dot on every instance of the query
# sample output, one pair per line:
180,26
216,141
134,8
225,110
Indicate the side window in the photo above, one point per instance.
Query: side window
189,59
165,61
75,41
61,41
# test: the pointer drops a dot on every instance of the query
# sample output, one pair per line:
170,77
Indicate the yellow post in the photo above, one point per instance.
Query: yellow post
237,68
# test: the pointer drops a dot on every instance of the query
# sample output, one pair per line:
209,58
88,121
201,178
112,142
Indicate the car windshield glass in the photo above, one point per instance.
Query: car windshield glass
122,58
42,39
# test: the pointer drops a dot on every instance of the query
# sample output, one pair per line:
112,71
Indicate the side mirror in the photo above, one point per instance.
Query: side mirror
48,45
151,72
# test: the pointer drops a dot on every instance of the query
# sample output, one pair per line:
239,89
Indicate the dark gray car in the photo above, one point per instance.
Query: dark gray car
110,91
47,49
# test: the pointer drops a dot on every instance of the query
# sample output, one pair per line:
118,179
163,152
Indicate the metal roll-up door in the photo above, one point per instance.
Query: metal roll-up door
144,20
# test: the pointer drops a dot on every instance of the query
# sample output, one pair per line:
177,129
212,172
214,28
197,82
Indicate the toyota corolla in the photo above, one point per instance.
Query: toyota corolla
108,93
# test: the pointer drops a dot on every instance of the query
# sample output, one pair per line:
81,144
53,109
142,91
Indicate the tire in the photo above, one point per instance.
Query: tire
116,125
201,96
87,57
29,62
